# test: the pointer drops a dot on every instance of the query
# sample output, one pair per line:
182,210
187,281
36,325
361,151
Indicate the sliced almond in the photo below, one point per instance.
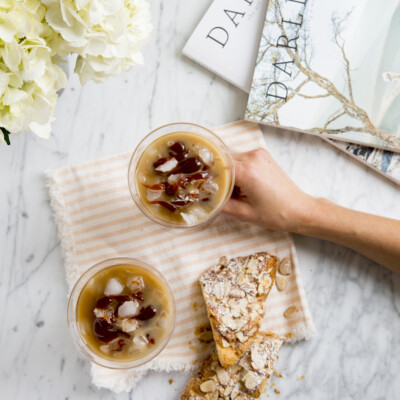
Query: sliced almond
251,380
237,306
290,311
223,261
223,376
252,331
234,392
228,391
222,289
281,283
241,337
225,343
285,266
208,386
234,369
252,266
257,359
244,362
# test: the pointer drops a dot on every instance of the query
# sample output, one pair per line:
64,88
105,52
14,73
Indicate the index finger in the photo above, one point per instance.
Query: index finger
241,156
249,155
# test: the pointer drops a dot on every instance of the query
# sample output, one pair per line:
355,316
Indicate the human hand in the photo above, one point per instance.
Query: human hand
266,196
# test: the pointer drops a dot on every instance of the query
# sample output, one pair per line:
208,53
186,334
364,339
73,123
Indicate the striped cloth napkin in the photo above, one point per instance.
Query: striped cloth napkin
97,219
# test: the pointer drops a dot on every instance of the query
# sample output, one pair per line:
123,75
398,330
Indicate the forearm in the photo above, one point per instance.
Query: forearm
375,237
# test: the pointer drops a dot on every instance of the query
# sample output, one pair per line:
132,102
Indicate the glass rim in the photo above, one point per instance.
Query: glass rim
77,338
132,180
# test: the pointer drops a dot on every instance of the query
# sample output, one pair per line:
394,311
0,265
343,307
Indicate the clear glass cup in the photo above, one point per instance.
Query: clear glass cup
73,324
184,127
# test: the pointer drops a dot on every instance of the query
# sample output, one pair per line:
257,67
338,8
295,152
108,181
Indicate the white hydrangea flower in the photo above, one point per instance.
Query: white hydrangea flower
29,75
107,35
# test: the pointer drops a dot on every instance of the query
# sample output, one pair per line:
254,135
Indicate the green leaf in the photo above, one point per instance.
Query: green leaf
6,135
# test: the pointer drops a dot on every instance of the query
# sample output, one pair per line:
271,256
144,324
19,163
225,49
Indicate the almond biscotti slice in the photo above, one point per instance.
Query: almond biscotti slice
235,292
242,381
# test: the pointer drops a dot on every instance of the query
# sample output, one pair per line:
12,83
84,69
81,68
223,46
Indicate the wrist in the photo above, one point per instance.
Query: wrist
308,213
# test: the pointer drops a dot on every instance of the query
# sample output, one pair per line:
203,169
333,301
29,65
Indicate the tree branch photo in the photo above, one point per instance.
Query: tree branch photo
290,55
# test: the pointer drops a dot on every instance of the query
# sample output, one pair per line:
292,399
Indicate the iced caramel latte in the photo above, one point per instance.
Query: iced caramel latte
124,312
183,178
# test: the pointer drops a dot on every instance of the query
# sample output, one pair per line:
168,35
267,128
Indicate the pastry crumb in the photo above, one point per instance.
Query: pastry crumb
301,378
171,381
193,348
204,333
277,374
277,391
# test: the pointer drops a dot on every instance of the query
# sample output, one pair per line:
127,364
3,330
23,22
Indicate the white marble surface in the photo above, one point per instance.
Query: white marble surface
354,302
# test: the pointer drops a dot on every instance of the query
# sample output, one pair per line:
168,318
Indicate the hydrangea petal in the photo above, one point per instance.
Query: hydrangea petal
7,30
41,130
95,46
4,79
73,34
6,4
12,55
96,12
12,95
81,4
33,69
110,7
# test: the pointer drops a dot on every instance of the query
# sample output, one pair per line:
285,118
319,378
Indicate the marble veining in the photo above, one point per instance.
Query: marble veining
354,302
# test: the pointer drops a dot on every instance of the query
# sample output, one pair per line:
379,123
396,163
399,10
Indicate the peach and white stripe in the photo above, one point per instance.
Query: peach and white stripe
97,219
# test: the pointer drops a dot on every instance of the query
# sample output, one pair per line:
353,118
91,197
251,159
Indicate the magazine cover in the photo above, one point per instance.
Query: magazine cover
226,40
330,68
384,162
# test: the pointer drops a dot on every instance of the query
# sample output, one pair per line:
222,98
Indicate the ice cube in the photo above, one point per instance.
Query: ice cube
199,213
151,151
117,344
206,156
128,308
105,348
153,194
189,218
113,287
162,320
135,283
141,177
100,313
168,165
111,346
174,178
106,314
127,325
140,340
210,186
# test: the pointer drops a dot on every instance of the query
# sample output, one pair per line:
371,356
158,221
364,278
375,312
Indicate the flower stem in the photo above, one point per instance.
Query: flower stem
6,135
